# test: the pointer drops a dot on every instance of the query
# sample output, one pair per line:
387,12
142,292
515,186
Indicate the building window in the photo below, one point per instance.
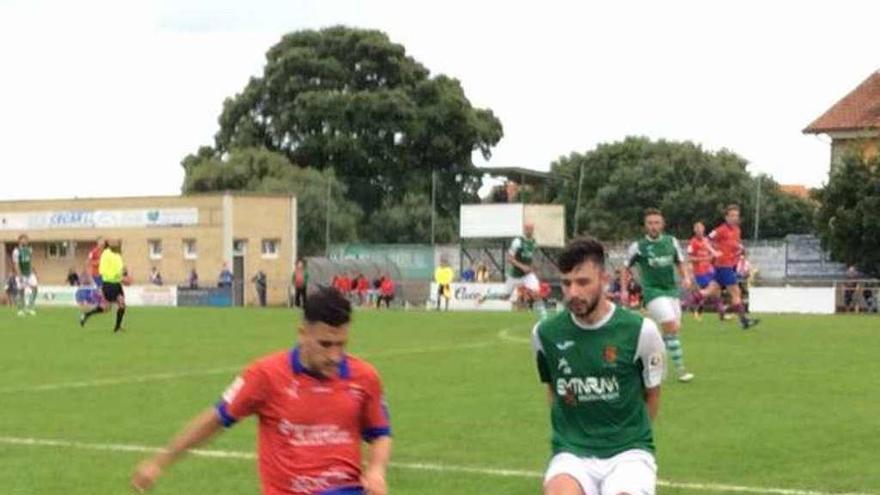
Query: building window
239,247
270,248
57,250
189,249
154,246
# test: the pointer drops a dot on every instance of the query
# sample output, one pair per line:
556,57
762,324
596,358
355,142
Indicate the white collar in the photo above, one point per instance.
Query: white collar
605,319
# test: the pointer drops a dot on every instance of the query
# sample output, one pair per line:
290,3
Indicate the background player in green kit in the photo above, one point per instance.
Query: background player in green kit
603,366
658,257
522,275
25,278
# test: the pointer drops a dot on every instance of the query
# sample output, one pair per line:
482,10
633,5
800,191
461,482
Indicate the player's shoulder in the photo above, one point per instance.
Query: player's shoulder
278,361
360,369
552,324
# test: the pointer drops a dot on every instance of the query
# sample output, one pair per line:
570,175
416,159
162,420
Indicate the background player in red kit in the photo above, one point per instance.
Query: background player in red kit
727,241
314,404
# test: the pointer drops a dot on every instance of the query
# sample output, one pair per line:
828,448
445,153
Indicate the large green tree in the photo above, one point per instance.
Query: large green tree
260,170
352,101
849,218
687,183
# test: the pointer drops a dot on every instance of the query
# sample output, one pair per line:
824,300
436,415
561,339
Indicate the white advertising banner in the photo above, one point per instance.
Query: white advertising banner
466,295
151,295
492,220
814,300
135,295
99,219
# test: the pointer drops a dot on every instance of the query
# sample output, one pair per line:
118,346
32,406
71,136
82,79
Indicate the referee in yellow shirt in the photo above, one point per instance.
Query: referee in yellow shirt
111,268
443,276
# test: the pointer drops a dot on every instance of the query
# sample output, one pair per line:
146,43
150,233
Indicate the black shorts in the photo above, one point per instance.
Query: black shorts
112,291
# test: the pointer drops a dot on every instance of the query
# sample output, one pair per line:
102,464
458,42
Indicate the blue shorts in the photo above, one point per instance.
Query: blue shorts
726,276
348,490
704,280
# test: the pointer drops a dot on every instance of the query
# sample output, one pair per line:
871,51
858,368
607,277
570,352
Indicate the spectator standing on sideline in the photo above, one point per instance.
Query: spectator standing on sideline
225,278
259,281
193,279
155,276
300,282
72,278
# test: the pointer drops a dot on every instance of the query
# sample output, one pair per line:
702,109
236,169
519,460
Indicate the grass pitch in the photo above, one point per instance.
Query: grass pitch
790,405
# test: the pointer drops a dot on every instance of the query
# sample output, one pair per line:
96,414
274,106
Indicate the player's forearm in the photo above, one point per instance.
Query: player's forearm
522,266
652,400
380,453
198,431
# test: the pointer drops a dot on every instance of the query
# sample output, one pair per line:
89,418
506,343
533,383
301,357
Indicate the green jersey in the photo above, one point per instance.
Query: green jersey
523,250
22,258
598,376
657,260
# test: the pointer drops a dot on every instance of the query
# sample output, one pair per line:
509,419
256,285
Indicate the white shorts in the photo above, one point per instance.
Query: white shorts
665,310
23,282
529,281
633,472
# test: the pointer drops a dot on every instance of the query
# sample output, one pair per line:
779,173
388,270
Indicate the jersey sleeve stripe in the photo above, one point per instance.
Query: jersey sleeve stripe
370,434
223,415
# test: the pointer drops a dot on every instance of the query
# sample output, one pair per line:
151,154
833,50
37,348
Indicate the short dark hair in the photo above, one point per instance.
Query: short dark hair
732,206
327,305
580,250
652,211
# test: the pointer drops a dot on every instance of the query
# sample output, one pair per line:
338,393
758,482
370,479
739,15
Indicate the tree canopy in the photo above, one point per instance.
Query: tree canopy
849,219
686,182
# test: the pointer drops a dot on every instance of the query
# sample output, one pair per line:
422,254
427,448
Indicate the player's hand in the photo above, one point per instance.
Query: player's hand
145,476
373,481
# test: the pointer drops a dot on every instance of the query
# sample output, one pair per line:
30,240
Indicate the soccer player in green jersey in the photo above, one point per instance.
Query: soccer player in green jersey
658,257
25,278
522,275
603,365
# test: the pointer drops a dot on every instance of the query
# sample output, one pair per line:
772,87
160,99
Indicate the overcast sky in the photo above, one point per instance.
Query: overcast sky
102,98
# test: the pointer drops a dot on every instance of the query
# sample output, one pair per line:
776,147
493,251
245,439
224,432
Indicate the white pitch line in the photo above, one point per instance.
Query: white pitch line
417,466
504,334
155,377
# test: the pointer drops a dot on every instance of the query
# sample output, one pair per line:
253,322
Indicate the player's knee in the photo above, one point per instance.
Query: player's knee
563,484
670,328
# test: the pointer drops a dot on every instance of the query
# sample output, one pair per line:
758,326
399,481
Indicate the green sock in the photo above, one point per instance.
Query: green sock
32,301
674,350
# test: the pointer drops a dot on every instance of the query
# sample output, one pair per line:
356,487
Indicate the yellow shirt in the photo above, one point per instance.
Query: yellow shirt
110,267
443,275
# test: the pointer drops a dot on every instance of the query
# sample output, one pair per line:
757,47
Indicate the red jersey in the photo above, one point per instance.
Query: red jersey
387,287
95,260
726,239
363,285
700,247
310,428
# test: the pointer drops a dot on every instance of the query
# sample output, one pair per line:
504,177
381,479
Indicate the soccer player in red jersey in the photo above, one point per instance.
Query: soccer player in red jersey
95,260
314,403
700,254
726,239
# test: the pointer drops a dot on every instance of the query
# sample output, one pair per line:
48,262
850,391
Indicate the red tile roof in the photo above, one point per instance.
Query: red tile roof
795,190
859,110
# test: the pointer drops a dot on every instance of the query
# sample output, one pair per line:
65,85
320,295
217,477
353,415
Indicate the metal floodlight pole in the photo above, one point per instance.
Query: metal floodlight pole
577,204
758,206
327,218
433,203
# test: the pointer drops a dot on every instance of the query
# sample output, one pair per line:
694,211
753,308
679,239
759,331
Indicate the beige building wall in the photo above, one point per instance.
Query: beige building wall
253,218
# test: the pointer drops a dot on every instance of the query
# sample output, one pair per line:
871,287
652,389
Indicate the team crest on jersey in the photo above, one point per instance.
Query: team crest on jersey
610,354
